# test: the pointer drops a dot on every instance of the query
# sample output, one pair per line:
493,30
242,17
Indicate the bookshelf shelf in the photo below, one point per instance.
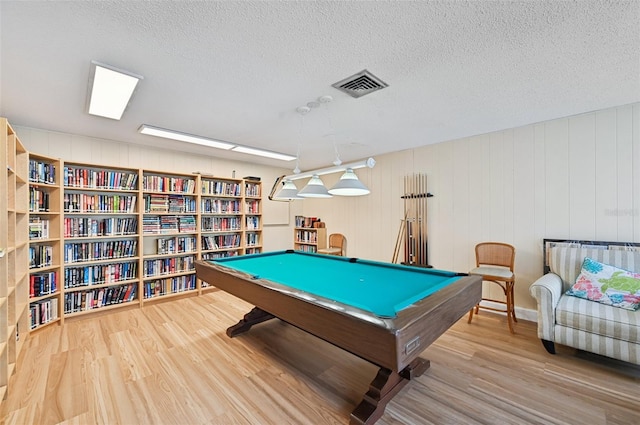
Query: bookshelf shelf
14,231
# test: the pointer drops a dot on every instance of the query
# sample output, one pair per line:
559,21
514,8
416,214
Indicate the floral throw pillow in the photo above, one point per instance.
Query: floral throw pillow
607,285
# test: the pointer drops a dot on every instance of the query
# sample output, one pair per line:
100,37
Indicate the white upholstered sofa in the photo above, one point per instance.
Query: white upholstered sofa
580,323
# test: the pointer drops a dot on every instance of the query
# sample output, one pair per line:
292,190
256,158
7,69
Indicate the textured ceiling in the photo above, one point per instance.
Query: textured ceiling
236,71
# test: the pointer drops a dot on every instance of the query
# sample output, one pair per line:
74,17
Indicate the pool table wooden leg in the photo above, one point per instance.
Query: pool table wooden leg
382,389
255,316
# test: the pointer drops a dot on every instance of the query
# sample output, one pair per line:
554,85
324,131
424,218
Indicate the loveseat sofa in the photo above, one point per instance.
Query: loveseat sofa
580,323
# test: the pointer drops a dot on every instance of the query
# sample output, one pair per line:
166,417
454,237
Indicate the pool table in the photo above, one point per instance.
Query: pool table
384,313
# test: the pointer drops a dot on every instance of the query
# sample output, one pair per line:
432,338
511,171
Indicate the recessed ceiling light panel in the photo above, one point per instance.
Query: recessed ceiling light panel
110,90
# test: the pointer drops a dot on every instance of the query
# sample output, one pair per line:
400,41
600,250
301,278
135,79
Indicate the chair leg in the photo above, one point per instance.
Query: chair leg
511,314
513,303
471,315
549,346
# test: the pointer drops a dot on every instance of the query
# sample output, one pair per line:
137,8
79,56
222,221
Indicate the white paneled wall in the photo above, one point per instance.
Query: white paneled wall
107,152
575,177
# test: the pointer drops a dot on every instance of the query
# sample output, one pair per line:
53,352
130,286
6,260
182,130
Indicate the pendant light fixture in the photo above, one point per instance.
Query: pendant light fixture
315,189
288,192
349,185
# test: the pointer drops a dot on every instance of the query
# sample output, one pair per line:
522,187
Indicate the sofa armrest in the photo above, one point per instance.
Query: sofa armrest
547,291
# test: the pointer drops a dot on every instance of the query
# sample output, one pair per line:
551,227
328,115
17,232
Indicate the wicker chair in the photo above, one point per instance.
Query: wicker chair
337,245
494,262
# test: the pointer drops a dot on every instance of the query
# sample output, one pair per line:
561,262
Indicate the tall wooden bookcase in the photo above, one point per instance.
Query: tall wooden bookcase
14,247
45,246
76,238
105,237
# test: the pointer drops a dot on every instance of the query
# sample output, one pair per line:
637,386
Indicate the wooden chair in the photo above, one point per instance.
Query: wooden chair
494,262
337,245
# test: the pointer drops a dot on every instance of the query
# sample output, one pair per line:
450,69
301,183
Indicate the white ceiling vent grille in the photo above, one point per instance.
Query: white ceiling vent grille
360,84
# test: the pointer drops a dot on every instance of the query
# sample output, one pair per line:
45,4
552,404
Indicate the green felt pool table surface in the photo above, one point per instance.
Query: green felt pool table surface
380,288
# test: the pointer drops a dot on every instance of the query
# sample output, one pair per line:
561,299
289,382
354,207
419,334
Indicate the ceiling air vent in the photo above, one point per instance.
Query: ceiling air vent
360,84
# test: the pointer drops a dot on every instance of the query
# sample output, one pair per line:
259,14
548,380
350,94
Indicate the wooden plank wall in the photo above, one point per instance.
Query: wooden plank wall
575,177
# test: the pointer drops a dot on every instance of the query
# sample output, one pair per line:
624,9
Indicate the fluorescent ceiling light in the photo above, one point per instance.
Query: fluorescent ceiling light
183,137
110,90
260,152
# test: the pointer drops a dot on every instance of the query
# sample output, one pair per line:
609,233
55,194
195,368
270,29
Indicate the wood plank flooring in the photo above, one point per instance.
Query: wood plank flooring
171,363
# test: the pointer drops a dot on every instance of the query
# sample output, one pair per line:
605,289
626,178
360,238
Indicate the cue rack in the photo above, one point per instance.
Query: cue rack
413,235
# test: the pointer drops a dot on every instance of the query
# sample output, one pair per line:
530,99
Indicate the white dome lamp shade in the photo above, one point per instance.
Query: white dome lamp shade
288,192
349,185
314,189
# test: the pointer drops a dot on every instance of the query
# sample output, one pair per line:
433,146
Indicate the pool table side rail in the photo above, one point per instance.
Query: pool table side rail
393,348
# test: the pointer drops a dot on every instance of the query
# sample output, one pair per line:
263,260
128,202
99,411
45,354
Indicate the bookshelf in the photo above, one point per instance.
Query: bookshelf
100,237
253,216
169,234
78,238
307,237
14,248
221,217
44,241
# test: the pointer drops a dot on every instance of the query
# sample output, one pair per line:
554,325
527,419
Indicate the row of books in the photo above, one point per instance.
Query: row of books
216,187
253,206
43,284
252,239
221,224
306,236
99,179
99,273
173,285
302,221
38,228
166,224
219,206
41,172
253,222
42,312
176,245
170,265
307,248
99,297
38,200
91,251
168,184
252,189
40,256
157,203
221,241
79,227
221,254
93,203
253,251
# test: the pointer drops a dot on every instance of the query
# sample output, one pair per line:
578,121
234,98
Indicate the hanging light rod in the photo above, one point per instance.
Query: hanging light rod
291,192
369,162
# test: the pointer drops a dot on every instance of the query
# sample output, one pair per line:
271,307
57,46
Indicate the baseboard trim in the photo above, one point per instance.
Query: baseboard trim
527,314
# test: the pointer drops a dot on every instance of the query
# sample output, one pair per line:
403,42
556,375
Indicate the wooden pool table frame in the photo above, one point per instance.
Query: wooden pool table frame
394,349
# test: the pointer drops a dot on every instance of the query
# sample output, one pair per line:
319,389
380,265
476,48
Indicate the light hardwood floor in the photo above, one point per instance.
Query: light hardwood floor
172,363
